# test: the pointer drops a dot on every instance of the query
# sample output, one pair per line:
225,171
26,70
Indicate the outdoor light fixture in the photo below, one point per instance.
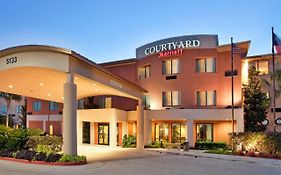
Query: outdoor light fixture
41,84
11,86
49,94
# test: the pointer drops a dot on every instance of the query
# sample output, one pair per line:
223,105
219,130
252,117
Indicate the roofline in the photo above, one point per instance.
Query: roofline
262,55
119,62
26,48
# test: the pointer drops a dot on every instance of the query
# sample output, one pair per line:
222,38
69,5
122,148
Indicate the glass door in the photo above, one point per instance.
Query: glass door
103,132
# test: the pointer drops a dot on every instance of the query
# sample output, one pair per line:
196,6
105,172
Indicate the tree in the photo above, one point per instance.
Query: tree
256,103
9,98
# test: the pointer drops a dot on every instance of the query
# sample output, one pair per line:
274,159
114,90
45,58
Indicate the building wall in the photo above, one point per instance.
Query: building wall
188,80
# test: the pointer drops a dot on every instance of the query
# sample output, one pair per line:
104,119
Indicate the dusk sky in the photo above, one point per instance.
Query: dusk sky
112,30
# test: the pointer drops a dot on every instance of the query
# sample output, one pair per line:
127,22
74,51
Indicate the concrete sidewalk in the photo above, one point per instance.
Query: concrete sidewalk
200,153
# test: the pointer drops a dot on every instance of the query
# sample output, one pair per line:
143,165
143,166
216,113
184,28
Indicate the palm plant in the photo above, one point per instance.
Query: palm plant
9,98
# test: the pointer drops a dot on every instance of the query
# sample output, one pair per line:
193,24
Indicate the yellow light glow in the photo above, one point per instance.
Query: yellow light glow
41,84
11,86
245,68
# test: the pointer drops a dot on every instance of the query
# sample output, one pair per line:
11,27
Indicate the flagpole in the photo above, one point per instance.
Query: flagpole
232,95
273,80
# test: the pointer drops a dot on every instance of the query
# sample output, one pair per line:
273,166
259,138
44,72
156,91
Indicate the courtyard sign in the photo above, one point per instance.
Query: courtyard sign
171,46
177,43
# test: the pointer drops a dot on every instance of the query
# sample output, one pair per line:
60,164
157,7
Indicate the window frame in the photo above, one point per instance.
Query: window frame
146,73
171,97
54,106
35,106
197,69
206,98
212,130
171,67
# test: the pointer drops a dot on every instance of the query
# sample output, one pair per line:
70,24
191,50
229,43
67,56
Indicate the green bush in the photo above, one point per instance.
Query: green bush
47,149
129,141
53,157
51,144
34,132
40,157
70,158
269,143
25,154
16,139
210,145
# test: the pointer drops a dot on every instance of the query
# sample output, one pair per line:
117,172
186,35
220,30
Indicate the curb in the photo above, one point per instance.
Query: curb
220,157
43,162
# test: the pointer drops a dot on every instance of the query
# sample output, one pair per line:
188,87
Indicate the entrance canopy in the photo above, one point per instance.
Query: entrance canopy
40,71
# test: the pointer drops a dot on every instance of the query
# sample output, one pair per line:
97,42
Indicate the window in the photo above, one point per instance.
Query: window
19,109
204,132
86,132
144,72
178,132
53,106
3,109
171,98
104,102
146,101
170,67
37,106
161,132
261,66
206,98
206,65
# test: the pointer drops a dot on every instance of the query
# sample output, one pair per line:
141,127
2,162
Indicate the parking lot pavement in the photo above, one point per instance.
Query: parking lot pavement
156,164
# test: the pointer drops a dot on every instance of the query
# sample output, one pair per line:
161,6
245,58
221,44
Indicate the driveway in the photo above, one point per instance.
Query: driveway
149,163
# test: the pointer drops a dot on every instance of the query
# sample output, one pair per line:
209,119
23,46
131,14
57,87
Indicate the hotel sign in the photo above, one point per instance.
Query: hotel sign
177,44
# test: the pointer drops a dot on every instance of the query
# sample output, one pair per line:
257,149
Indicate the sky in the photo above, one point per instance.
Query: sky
110,30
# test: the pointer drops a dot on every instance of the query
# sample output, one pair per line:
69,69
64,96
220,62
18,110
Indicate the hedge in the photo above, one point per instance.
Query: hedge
210,145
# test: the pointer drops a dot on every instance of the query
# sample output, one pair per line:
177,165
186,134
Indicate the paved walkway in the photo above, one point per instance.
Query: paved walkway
200,153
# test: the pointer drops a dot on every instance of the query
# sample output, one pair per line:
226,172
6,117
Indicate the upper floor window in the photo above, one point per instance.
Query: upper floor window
53,106
144,72
206,98
146,101
206,65
19,109
261,66
171,98
104,102
170,67
37,105
3,109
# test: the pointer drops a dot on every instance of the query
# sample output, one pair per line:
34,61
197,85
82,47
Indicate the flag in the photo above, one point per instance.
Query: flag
276,43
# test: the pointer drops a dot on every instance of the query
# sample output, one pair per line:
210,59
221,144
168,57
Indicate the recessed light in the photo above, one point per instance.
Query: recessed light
41,84
11,86
49,95
96,89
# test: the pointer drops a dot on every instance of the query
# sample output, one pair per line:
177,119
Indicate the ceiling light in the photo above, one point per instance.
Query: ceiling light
41,84
49,95
11,86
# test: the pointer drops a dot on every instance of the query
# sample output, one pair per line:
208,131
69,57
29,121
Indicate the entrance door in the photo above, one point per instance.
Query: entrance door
103,133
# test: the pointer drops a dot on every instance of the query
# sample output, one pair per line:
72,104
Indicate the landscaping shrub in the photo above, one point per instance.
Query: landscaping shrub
25,154
269,143
16,139
51,144
53,157
6,153
40,157
129,141
34,132
70,158
210,145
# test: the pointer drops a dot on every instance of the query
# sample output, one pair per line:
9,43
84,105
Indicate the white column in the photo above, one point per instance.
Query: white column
92,133
113,132
44,126
69,116
140,126
190,132
147,128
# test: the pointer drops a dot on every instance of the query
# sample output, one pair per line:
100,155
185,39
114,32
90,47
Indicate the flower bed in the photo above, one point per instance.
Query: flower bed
43,162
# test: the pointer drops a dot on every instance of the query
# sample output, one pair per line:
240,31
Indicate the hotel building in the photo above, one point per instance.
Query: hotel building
187,96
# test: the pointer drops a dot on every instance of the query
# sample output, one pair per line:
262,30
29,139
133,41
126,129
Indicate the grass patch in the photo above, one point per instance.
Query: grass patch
219,151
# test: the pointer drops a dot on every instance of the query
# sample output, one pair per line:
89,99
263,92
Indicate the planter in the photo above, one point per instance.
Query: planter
43,162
